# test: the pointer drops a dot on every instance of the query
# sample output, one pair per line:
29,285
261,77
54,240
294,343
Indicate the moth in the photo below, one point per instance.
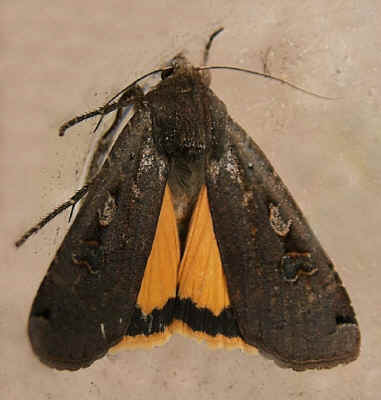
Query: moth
187,228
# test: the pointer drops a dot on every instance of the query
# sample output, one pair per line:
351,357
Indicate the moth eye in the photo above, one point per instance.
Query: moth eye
295,264
166,73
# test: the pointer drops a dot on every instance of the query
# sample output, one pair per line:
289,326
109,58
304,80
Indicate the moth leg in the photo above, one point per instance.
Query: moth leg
104,144
127,100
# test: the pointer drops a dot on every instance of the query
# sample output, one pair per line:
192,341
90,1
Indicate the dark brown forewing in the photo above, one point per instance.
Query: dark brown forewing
86,300
287,298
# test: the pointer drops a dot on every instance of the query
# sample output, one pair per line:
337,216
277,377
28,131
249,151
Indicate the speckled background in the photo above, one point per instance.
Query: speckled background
59,59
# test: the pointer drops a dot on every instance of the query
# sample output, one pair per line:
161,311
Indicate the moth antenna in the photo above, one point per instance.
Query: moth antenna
73,200
265,75
209,44
104,143
109,106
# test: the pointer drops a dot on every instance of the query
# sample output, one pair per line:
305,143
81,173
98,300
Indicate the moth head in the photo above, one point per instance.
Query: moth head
180,65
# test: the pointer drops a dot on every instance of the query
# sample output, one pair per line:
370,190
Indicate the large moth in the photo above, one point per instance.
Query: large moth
187,228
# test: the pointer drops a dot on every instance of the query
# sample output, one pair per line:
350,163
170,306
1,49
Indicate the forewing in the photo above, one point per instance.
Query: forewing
287,298
85,302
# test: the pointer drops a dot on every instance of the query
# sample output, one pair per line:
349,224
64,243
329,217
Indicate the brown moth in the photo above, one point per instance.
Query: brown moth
187,228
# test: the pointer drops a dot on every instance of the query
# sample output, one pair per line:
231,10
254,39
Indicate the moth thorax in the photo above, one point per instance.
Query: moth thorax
180,136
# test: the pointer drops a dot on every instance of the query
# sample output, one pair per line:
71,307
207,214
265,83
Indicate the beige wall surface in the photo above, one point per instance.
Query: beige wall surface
62,58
